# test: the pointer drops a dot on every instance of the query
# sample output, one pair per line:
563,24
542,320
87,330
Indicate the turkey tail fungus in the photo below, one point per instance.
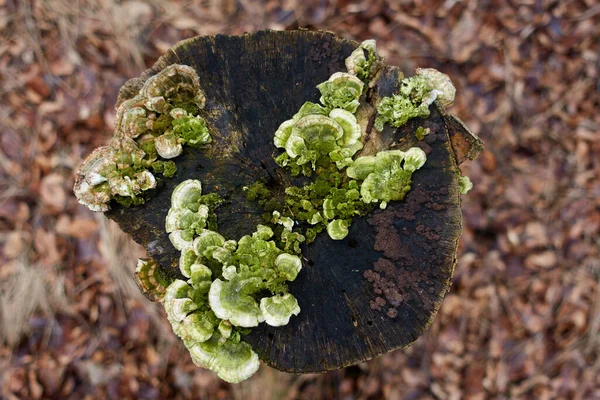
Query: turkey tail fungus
299,199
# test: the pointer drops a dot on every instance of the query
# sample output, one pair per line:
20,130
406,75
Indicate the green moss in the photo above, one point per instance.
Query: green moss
162,124
128,201
150,149
421,132
257,191
212,201
190,108
414,97
397,110
311,233
362,60
415,88
330,195
167,168
190,129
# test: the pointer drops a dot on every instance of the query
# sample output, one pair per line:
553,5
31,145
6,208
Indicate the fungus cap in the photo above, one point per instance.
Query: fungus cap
441,84
187,194
233,362
337,229
168,146
278,309
232,300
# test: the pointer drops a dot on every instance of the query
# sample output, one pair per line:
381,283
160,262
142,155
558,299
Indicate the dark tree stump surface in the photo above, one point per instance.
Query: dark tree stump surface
403,256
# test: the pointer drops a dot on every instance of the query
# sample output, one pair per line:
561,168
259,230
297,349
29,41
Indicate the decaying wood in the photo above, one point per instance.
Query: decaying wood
465,144
376,290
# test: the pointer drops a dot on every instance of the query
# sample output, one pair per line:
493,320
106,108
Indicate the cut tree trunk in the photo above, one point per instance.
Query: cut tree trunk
379,288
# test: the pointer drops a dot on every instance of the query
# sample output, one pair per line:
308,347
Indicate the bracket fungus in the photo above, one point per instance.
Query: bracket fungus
298,198
154,124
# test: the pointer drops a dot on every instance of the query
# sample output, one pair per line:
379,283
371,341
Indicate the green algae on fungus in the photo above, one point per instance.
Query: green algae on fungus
363,59
441,86
232,360
231,284
257,265
341,90
464,184
326,137
150,279
189,214
278,309
313,136
337,229
190,316
151,127
188,312
387,175
327,130
415,96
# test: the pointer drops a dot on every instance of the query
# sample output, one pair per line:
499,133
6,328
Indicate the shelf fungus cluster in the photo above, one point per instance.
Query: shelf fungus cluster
226,286
321,141
150,130
231,285
415,96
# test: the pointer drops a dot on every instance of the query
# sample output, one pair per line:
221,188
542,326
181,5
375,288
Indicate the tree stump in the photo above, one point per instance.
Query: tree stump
374,291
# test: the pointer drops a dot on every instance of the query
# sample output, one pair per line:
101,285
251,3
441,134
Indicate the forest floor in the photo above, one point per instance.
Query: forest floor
522,319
